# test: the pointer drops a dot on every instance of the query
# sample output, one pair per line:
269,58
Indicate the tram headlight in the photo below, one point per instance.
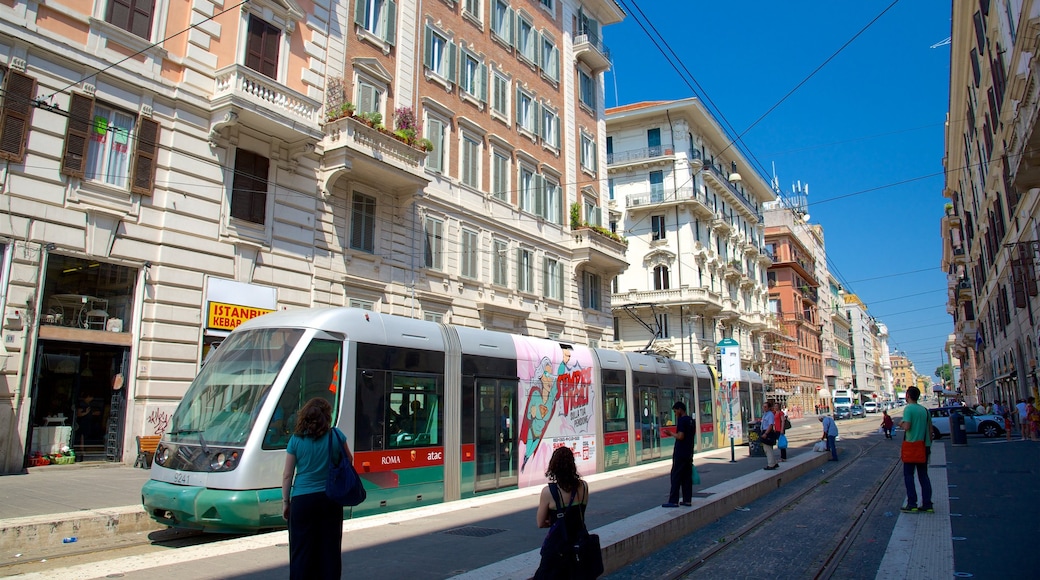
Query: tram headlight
162,454
217,462
224,459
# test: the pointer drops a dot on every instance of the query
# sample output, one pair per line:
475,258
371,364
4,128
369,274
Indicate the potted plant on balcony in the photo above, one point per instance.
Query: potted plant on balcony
578,224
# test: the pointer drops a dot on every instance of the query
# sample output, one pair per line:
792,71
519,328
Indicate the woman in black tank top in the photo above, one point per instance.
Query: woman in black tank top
571,499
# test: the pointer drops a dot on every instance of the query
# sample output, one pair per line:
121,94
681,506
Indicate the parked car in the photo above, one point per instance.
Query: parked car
842,413
870,407
986,425
857,411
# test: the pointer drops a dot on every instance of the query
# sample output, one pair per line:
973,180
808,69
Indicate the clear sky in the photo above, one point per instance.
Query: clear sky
866,132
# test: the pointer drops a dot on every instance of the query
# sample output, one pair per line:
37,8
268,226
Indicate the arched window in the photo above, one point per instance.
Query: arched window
660,277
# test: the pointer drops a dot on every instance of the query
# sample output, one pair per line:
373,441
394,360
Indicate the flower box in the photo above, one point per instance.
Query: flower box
65,460
38,461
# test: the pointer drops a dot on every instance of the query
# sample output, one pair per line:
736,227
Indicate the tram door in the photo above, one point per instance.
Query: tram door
497,426
650,425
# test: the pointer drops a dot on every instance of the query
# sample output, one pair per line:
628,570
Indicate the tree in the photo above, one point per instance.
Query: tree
945,374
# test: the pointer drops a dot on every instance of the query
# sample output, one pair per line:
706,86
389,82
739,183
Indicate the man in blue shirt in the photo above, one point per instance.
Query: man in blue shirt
682,458
830,435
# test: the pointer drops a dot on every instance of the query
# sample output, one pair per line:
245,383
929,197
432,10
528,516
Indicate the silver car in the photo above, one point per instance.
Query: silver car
986,425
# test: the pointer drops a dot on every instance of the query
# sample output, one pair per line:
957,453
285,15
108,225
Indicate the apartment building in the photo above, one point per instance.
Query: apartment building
838,369
690,207
173,168
991,224
867,377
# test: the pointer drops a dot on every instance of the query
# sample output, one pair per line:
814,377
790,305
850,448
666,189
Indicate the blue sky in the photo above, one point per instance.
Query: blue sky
865,132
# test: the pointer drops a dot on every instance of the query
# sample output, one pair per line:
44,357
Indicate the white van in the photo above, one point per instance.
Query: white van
870,407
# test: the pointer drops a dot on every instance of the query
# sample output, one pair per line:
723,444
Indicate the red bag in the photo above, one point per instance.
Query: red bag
913,452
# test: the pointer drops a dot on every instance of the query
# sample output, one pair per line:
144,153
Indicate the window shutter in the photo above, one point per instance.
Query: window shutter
77,137
452,55
482,76
546,283
539,195
514,39
145,153
536,117
360,12
510,15
366,98
391,22
556,134
16,116
519,269
519,107
428,48
554,63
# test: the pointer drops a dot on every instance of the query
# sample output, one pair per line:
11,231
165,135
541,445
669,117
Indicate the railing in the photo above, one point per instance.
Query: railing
583,37
638,154
238,79
665,196
723,178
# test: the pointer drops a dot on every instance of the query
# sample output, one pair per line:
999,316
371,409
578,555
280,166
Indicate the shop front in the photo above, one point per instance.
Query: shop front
81,360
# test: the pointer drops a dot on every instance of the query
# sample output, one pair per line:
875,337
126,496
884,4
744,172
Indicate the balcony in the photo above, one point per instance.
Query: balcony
964,288
716,174
604,253
666,197
959,256
683,296
249,98
589,49
734,269
370,156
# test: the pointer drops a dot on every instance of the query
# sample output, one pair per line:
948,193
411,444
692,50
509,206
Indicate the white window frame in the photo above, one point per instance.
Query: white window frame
552,279
473,75
369,229
525,270
548,5
553,203
439,56
500,262
435,159
527,113
433,243
588,153
501,20
500,174
526,38
501,86
376,89
549,59
587,89
243,44
474,10
550,128
361,304
469,242
527,187
592,291
104,164
471,148
376,22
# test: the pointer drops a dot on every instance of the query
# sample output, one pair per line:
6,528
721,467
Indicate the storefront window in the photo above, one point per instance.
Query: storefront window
88,294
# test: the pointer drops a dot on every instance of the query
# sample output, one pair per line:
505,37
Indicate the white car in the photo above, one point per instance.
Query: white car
870,407
986,425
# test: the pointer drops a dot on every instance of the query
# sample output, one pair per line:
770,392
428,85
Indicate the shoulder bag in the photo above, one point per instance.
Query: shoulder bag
913,451
567,557
344,484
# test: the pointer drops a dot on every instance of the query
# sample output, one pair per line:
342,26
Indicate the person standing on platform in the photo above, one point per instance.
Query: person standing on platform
917,426
779,420
769,435
315,521
566,484
682,459
830,435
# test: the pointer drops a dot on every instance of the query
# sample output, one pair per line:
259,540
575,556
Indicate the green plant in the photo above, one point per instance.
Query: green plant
406,135
347,108
576,215
372,119
425,144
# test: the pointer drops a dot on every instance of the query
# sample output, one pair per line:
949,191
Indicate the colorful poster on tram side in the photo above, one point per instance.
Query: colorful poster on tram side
556,403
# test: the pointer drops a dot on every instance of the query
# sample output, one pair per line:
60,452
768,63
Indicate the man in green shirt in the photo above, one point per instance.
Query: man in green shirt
917,426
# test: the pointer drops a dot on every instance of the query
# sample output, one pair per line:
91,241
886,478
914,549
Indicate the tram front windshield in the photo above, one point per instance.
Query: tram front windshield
225,398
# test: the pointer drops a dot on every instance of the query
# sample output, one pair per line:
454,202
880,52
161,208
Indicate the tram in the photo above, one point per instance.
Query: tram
433,413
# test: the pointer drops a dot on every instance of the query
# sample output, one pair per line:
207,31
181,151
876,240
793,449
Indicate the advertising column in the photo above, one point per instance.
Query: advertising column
729,352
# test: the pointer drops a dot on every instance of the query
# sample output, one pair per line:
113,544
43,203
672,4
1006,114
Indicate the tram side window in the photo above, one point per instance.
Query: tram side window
615,408
317,375
414,416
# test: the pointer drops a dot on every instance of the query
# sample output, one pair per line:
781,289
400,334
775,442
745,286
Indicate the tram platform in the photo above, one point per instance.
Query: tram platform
491,536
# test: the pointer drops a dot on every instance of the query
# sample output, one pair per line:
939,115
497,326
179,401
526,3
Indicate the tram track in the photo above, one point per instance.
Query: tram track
847,535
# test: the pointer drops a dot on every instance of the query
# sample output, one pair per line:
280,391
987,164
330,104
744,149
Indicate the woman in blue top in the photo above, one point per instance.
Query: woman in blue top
315,521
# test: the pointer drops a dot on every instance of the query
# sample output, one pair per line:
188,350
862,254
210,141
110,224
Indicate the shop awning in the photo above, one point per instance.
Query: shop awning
991,381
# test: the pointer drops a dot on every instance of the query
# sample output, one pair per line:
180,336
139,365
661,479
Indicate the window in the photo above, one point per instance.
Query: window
552,278
550,128
547,4
433,317
434,246
413,416
361,304
249,187
318,364
617,331
593,214
369,98
527,189
610,188
661,278
470,251
662,326
526,39
553,204
653,141
439,57
500,263
262,47
500,96
378,17
472,8
98,140
435,133
502,21
591,291
587,89
363,222
133,16
550,62
588,153
470,161
500,176
526,112
524,270
473,77
16,114
657,227
656,186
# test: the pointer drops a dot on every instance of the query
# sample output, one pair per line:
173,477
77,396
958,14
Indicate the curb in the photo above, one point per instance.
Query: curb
48,531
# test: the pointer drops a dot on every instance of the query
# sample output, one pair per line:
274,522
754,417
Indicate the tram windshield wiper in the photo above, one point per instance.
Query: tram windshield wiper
202,440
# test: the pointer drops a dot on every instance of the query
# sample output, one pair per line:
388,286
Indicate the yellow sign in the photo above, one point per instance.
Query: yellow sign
228,316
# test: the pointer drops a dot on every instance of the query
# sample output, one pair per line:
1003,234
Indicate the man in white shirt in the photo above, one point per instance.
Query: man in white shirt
768,432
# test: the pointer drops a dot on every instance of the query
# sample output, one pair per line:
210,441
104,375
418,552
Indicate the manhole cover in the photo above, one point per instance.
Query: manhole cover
474,531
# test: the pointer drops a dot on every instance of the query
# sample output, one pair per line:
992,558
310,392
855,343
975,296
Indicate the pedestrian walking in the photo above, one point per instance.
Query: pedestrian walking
682,459
830,435
315,521
780,426
769,435
1023,414
1032,419
886,424
566,484
917,442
